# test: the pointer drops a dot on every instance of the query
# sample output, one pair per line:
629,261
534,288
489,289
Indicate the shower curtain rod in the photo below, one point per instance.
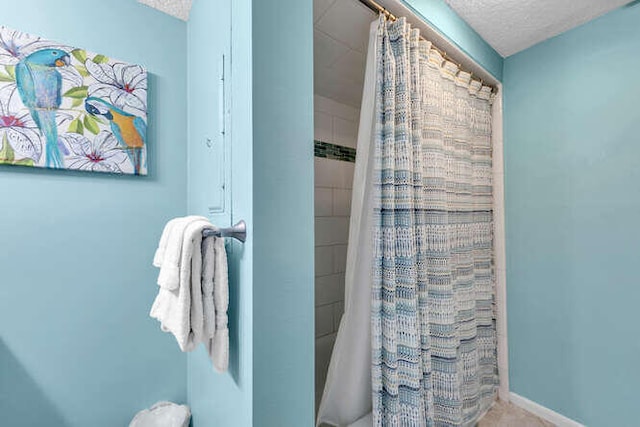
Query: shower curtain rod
377,8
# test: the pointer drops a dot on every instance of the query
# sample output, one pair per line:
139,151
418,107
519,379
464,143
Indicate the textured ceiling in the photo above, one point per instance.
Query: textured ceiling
178,8
340,37
510,26
341,31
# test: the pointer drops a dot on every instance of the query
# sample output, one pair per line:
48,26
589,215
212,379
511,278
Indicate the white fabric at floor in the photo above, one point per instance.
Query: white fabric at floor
347,393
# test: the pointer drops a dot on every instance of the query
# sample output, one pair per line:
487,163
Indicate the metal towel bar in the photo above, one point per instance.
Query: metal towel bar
238,231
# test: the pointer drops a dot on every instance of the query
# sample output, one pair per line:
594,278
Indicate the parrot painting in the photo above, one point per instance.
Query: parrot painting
129,130
39,84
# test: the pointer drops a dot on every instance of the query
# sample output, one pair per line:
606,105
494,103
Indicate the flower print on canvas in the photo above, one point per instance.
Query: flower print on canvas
101,154
66,108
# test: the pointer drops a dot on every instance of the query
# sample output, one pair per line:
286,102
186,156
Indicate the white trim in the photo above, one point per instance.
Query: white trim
500,257
543,412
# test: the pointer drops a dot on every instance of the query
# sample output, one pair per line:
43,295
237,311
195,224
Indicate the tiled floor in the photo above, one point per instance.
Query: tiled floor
508,415
503,415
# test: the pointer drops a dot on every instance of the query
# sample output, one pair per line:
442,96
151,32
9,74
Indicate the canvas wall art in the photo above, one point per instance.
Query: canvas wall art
66,108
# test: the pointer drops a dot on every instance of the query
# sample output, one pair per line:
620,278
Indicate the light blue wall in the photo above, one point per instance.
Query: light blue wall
77,347
223,399
572,157
283,312
443,18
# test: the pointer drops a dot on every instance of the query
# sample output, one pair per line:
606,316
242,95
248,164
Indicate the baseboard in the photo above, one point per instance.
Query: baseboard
542,412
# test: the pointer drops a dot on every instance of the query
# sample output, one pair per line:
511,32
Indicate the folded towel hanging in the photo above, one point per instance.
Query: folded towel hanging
175,305
170,249
215,290
193,298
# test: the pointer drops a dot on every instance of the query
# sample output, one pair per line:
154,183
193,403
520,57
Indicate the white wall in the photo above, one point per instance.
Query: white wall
335,123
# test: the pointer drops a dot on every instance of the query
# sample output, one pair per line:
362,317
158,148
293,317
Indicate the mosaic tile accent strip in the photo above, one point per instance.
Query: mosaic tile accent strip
333,151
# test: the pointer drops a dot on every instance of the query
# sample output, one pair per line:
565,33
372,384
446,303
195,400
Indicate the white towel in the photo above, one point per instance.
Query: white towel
162,245
193,298
208,269
169,251
174,307
218,347
158,258
195,283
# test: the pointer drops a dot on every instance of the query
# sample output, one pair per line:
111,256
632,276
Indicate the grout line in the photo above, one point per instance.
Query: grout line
329,303
317,19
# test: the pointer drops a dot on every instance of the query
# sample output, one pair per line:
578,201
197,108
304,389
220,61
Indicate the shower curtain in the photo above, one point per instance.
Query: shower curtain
417,343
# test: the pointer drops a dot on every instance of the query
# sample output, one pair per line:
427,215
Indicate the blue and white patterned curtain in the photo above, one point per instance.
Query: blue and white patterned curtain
433,321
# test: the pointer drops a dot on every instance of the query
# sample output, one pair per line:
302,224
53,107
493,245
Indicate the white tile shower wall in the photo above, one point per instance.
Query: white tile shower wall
335,123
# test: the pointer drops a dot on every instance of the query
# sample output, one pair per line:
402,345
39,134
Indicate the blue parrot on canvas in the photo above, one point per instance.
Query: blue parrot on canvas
40,85
129,130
